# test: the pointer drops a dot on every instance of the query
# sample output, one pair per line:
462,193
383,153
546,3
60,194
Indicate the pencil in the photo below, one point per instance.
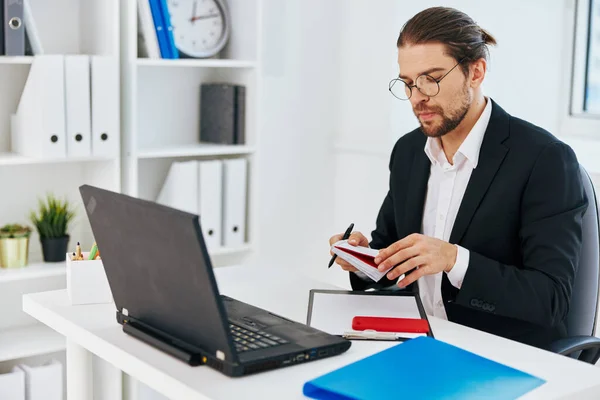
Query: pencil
93,252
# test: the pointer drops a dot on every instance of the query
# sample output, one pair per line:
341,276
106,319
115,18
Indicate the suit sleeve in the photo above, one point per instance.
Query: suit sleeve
552,208
382,236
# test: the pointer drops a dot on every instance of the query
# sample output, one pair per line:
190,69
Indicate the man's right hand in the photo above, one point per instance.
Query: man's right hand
355,239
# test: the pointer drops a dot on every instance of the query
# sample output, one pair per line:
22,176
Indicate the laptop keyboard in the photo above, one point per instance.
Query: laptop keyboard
247,340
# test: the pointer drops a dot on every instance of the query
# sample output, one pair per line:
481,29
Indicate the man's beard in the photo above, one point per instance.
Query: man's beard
449,121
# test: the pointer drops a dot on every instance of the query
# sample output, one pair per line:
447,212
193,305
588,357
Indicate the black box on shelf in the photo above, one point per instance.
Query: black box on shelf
222,113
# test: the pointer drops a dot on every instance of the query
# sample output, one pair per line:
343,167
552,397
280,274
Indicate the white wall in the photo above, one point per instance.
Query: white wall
329,121
299,103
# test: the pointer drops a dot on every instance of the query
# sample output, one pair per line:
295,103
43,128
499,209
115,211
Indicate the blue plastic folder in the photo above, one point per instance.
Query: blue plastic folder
423,368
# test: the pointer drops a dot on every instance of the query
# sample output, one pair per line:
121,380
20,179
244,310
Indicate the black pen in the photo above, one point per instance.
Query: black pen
346,236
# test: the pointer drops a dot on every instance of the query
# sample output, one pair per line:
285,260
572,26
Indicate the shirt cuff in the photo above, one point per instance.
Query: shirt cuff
458,272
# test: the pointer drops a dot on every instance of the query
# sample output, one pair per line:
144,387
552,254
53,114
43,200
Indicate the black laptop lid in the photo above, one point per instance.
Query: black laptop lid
158,268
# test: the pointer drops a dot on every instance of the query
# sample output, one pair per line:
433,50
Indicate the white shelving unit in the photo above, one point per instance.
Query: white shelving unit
10,158
193,63
161,111
160,119
33,271
92,28
28,342
23,60
197,150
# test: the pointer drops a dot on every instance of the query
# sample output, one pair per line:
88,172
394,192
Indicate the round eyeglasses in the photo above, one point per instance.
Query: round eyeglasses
426,84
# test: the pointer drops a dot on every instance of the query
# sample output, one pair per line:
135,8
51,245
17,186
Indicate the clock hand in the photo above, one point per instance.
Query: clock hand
205,17
194,10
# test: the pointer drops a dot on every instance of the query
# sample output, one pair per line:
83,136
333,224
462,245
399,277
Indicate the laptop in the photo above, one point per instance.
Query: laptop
166,295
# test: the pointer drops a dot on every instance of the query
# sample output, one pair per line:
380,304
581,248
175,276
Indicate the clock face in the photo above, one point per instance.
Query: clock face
198,26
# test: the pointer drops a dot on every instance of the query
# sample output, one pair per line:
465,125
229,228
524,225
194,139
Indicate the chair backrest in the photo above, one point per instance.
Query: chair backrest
581,319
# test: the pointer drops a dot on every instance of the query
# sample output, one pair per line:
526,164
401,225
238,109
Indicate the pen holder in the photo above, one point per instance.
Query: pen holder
87,282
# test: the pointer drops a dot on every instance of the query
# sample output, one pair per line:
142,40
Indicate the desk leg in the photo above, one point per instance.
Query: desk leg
79,372
130,387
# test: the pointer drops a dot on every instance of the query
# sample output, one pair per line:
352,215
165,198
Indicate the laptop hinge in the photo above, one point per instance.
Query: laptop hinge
163,342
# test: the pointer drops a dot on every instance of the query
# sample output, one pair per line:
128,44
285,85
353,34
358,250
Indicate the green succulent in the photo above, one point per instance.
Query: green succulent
53,217
13,231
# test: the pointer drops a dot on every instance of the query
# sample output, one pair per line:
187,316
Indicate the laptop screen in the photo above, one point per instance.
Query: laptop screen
159,269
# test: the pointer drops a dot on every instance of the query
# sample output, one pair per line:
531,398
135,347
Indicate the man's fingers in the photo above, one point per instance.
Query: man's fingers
342,263
412,277
358,239
345,265
335,239
395,247
398,258
406,266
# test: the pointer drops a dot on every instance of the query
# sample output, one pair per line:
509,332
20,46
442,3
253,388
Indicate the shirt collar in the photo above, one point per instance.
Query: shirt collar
469,148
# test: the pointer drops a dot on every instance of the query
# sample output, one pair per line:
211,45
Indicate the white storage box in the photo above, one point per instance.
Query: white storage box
86,281
44,382
12,385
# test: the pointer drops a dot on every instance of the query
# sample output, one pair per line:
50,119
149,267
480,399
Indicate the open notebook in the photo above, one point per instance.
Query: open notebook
360,257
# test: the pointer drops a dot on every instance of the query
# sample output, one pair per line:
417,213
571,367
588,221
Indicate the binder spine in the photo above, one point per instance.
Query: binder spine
14,28
240,115
2,27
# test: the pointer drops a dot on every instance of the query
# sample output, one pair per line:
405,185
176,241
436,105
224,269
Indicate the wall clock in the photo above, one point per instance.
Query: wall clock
201,28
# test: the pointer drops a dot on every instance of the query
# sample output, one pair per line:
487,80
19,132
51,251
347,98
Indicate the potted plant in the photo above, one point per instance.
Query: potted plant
52,223
14,245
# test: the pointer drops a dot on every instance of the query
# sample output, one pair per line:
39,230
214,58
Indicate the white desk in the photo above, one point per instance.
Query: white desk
94,329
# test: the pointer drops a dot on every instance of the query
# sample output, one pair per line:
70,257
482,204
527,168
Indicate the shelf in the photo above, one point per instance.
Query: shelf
230,251
23,60
208,63
17,159
29,341
45,270
196,150
32,271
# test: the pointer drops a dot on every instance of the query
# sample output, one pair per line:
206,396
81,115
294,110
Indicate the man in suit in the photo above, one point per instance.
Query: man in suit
484,210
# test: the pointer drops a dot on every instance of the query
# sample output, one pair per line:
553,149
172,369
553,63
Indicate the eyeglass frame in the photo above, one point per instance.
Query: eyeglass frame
410,87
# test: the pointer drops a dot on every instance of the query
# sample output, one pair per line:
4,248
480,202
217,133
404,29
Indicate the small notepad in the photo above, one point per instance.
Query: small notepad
363,258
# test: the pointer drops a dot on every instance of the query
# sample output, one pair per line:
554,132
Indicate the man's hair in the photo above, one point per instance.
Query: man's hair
463,38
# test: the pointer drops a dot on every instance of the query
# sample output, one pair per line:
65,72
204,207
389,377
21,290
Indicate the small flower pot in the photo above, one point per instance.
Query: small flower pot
55,249
14,252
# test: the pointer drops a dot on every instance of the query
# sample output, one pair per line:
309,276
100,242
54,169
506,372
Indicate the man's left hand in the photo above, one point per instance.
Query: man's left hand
430,255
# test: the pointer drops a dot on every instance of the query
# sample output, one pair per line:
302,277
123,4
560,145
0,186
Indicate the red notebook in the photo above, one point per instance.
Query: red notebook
367,259
363,258
388,324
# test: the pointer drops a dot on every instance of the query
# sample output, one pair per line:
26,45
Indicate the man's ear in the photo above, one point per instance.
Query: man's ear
477,72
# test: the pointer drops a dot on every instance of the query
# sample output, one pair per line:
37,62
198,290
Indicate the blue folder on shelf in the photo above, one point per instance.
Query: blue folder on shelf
170,40
159,26
423,368
164,29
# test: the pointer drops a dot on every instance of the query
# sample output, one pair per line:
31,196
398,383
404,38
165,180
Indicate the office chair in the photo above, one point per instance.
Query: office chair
581,319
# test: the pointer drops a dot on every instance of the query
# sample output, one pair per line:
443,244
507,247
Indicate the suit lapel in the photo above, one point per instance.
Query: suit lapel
491,155
416,190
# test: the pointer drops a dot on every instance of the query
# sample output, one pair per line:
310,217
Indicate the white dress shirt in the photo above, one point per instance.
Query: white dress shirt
445,190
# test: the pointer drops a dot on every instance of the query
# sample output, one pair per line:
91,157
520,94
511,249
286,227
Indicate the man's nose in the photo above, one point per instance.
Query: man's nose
417,97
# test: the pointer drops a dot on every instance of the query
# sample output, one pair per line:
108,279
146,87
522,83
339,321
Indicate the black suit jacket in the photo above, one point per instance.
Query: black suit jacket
520,219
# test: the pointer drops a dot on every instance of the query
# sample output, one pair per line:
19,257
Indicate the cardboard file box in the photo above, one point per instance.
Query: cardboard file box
87,282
